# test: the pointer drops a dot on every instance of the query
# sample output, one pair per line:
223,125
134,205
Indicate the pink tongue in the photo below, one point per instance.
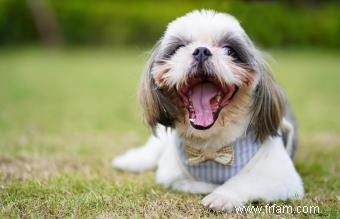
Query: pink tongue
201,96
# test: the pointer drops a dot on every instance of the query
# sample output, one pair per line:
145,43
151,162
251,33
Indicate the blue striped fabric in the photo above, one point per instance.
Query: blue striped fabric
213,172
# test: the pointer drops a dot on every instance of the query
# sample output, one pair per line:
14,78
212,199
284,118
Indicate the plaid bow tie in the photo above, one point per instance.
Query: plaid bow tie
224,155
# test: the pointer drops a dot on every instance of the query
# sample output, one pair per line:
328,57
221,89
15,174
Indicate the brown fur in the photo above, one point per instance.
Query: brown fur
157,104
241,102
237,108
245,72
160,77
268,107
268,100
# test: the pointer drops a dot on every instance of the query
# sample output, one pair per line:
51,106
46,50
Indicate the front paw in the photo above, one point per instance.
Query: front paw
133,160
222,200
124,162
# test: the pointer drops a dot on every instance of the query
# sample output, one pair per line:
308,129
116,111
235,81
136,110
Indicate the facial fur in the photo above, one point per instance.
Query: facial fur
206,79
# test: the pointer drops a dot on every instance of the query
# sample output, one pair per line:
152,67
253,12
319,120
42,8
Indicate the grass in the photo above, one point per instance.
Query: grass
65,113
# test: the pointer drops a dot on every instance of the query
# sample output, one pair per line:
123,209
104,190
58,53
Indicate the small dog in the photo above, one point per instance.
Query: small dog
221,122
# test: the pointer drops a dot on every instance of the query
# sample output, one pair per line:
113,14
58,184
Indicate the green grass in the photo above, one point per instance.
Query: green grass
65,113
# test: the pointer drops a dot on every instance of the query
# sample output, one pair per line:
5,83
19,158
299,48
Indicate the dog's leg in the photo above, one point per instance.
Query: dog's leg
145,157
171,174
169,169
271,177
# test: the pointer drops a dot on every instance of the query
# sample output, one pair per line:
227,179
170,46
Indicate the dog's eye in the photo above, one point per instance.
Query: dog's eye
178,47
173,50
231,52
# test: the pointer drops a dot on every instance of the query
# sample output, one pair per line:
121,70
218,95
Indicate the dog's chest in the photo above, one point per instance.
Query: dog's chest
213,170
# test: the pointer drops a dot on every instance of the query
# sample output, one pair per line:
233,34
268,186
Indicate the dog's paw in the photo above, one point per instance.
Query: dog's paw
222,200
133,160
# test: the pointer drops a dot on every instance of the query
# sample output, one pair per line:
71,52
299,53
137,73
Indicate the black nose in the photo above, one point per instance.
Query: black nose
201,54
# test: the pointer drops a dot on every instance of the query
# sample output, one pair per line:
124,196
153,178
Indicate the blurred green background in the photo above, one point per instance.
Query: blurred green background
69,72
106,22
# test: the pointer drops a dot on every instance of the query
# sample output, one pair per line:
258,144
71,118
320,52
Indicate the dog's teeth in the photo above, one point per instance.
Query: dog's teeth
218,98
192,120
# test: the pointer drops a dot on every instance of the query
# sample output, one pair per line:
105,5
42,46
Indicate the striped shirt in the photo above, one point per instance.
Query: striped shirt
244,149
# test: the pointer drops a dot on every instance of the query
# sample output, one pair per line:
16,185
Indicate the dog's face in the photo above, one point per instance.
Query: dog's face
205,77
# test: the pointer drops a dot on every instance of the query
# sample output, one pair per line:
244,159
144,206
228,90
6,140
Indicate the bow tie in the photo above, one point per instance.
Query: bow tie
224,155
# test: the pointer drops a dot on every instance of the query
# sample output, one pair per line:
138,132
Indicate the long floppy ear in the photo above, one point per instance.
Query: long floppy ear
269,103
157,107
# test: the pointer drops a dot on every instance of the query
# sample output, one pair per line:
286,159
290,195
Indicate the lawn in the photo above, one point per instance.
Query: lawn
65,113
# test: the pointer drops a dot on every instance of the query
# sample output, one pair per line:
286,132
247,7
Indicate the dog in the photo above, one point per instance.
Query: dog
221,124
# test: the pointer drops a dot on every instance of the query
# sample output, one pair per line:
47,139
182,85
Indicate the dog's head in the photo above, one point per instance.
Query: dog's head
206,77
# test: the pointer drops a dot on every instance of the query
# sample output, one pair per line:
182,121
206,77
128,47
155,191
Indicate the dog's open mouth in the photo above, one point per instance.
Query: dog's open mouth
204,98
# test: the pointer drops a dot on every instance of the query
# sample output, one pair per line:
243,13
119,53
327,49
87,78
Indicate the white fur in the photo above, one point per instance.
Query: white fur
269,176
203,26
272,178
145,157
200,28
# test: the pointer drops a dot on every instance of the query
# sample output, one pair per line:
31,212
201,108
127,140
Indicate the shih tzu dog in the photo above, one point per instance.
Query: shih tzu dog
221,122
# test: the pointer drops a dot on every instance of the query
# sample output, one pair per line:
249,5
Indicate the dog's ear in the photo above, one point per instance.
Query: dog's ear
269,103
157,107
